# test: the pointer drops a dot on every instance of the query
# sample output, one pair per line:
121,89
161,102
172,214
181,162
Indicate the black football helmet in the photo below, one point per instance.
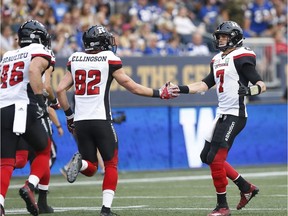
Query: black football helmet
33,31
97,38
234,32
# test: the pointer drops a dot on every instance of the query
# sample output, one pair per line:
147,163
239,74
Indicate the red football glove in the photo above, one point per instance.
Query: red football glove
168,91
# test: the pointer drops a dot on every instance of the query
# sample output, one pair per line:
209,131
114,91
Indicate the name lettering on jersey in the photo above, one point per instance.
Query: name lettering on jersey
220,65
15,57
88,58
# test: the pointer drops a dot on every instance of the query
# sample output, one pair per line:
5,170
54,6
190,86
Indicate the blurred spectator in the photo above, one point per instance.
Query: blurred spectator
116,21
258,19
144,11
280,43
232,10
103,14
168,14
164,32
208,14
124,38
184,26
196,47
6,13
60,42
59,8
151,48
34,6
20,13
172,47
145,32
86,15
135,48
7,40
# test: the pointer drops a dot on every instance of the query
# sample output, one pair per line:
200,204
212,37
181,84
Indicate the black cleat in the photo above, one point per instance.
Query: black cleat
2,211
108,214
45,209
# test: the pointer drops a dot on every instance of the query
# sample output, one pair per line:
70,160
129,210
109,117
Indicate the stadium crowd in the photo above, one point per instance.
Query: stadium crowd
142,27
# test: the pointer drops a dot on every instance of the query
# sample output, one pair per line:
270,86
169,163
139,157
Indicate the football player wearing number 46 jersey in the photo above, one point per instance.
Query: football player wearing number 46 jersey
230,70
91,73
23,111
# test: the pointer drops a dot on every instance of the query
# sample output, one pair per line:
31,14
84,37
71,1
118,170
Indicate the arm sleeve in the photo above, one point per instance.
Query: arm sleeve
246,67
209,79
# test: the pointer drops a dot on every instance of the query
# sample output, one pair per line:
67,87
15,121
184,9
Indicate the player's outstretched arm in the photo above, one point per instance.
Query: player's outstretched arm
193,88
165,92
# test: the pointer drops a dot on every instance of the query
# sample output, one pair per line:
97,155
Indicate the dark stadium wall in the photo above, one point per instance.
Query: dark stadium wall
171,137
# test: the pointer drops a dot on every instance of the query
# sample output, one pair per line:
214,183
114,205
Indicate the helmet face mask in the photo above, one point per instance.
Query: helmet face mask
97,38
33,31
234,33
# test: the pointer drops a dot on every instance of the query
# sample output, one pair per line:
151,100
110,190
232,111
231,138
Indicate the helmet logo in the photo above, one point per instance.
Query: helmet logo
101,29
32,36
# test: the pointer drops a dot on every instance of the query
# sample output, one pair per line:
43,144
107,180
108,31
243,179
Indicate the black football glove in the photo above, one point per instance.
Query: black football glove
55,104
248,91
70,123
42,111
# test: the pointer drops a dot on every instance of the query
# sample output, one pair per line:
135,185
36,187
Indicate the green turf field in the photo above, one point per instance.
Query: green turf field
165,193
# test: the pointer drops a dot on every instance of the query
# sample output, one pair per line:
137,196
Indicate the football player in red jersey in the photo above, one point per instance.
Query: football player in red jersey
23,111
230,70
91,73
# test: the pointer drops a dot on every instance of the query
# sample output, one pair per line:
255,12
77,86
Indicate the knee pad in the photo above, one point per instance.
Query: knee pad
21,158
217,150
219,176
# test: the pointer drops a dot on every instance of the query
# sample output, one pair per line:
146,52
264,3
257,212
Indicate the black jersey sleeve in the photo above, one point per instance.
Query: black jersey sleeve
209,79
246,67
114,65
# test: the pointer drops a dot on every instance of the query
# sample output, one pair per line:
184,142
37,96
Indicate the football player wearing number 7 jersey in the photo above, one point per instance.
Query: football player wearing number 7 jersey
23,111
91,73
230,70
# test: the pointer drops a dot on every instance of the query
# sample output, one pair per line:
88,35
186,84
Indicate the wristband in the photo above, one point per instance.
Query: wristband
255,89
184,89
156,93
59,126
69,113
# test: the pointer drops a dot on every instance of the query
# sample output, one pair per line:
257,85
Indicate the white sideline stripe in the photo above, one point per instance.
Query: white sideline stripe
142,207
162,179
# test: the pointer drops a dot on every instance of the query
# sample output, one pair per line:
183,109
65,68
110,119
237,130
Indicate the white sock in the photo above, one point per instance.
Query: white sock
108,196
84,165
33,179
43,187
2,200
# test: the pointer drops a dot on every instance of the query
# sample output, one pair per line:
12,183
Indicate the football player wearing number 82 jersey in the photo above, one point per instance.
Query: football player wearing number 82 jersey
91,73
230,70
